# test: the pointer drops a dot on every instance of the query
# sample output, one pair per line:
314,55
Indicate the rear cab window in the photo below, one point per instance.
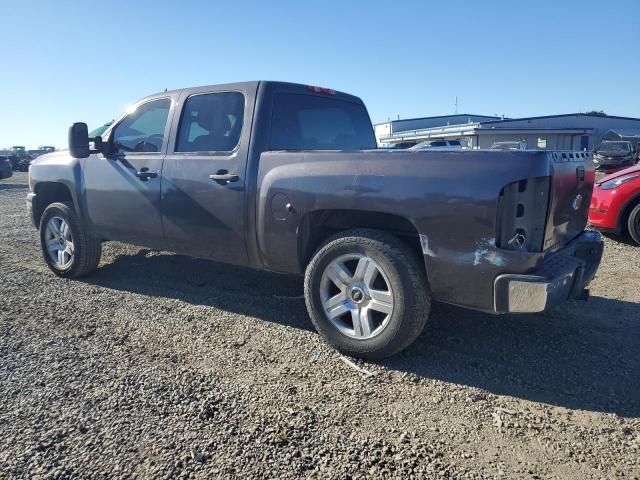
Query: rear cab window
310,122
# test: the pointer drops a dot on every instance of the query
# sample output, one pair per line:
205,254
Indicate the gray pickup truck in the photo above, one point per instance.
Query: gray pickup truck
287,178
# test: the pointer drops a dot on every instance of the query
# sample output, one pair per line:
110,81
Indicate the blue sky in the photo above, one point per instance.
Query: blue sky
66,61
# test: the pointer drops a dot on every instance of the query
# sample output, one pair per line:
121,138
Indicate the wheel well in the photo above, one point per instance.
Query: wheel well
626,211
317,226
48,193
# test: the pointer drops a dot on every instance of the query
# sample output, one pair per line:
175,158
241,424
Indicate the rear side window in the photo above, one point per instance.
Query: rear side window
211,122
308,122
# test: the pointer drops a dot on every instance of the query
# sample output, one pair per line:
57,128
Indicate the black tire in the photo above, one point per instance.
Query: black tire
633,224
86,251
406,278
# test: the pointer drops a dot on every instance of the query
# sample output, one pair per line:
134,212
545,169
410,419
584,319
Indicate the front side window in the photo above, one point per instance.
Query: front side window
143,130
211,122
308,122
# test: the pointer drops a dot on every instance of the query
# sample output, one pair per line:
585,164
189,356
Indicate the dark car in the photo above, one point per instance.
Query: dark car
20,158
287,178
611,156
22,165
6,169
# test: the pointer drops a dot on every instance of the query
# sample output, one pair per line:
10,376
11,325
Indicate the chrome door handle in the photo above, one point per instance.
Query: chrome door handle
145,174
223,177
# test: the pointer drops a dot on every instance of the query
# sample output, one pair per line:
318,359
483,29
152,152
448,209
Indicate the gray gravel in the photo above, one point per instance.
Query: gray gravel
163,366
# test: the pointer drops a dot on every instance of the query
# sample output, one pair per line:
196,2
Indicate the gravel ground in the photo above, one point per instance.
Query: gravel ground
164,366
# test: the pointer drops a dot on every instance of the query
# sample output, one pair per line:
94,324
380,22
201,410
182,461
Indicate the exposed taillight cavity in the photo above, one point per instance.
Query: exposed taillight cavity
522,214
323,90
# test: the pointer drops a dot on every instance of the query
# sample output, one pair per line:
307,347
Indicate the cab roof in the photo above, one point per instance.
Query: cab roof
269,85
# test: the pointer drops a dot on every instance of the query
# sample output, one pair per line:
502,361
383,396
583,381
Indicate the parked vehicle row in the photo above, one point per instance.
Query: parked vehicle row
288,178
20,158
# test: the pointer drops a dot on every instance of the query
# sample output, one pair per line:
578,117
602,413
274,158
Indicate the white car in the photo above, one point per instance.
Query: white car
438,145
509,145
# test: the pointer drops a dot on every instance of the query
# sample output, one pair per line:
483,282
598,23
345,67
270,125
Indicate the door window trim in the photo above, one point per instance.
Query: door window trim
208,153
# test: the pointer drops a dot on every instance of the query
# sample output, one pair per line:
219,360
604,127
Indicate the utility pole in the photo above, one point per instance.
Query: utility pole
456,104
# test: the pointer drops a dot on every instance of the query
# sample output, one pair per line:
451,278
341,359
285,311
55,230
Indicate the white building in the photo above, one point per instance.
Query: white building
574,131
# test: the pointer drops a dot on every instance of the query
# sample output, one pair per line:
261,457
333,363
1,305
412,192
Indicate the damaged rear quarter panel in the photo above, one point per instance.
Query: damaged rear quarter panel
450,197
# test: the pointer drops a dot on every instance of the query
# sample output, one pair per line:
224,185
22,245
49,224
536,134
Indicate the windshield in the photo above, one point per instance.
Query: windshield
100,130
615,147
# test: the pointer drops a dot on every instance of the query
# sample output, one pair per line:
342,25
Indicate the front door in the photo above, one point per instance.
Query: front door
123,188
204,181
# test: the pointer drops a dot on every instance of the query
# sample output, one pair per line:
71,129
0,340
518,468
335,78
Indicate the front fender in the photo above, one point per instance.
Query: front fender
58,168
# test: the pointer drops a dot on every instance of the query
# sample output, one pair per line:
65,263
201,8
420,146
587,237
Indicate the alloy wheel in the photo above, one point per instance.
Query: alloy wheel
59,243
356,296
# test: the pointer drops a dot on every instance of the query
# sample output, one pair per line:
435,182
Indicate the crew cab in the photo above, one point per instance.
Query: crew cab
287,178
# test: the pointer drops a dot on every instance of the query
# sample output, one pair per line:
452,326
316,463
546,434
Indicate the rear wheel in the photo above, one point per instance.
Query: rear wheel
633,224
367,294
67,249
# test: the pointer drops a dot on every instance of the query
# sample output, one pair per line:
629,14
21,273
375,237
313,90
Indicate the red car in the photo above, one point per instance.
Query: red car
615,204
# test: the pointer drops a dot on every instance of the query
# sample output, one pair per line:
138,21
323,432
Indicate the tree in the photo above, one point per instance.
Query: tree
597,113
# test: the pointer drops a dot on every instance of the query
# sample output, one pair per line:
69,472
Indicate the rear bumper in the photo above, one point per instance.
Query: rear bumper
562,275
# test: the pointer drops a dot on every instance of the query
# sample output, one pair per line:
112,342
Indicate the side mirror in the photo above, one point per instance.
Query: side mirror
79,140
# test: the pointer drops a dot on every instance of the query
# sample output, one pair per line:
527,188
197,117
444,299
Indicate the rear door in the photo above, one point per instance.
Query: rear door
204,174
122,190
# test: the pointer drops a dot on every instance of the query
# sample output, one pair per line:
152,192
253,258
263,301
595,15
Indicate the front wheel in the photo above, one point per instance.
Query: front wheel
67,249
367,293
633,224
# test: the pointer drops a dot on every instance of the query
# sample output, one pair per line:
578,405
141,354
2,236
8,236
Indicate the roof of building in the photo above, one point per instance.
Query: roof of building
561,115
494,117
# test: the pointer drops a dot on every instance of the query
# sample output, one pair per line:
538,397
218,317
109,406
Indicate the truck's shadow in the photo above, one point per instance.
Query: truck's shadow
580,356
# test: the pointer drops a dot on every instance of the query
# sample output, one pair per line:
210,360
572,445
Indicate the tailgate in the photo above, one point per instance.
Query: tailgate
572,179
